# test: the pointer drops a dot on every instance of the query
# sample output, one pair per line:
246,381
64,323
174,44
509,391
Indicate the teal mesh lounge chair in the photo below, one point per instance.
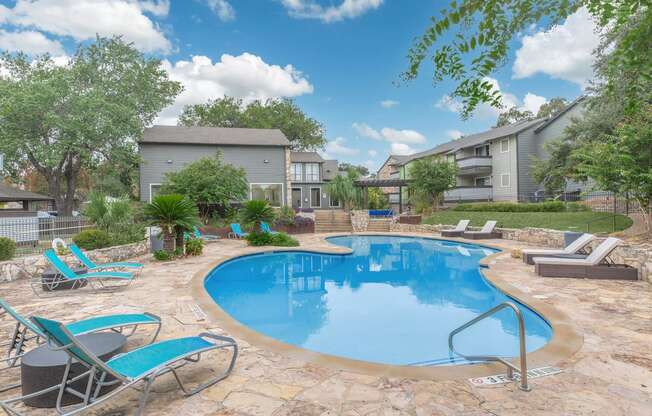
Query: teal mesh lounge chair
25,330
102,280
266,228
236,231
90,265
124,370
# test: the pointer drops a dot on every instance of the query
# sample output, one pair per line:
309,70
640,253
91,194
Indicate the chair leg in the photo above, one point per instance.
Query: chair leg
145,395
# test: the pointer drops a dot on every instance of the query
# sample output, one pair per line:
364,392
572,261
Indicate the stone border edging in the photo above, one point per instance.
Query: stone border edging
564,343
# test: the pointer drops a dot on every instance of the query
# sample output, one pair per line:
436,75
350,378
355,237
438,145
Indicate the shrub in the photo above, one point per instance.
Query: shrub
266,239
576,207
92,239
194,247
7,248
548,206
117,217
284,240
286,216
162,255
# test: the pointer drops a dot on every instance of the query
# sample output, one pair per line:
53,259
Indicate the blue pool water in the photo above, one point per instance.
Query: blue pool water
393,301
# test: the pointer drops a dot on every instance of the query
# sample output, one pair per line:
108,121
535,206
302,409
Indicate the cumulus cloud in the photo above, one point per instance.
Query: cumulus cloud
563,52
365,130
453,134
401,149
347,9
29,42
402,136
84,19
222,9
389,103
338,147
245,76
532,102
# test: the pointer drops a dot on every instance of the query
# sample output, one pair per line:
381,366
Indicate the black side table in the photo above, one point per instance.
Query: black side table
42,368
53,280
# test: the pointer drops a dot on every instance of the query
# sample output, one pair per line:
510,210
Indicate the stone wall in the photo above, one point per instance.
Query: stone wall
359,220
26,267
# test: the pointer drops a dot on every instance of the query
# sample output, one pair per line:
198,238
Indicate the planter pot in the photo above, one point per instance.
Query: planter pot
155,242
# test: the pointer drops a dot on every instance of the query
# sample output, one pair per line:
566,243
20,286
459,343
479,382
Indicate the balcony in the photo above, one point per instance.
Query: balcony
469,194
474,165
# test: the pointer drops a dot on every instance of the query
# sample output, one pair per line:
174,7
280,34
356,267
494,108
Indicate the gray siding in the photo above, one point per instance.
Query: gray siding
263,164
527,149
504,163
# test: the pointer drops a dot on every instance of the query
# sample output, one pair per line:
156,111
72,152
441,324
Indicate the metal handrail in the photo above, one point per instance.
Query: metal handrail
523,385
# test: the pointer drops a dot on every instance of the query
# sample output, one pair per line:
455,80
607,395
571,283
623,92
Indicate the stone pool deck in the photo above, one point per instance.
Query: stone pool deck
611,374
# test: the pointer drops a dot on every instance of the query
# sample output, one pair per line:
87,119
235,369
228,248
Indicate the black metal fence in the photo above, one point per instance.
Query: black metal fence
34,235
597,201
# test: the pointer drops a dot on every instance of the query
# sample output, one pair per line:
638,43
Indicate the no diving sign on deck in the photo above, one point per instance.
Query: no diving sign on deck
503,379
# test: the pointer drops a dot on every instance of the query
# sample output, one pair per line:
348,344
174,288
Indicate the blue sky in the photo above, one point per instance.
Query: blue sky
339,59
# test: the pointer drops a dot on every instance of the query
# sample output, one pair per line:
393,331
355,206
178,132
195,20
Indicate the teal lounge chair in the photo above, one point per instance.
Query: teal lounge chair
236,231
25,330
124,370
102,280
198,234
266,228
90,265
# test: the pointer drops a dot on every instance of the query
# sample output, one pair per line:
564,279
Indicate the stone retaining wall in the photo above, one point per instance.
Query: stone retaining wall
26,267
359,220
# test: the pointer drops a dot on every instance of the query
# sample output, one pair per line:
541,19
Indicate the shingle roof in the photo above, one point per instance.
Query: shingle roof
9,194
476,139
214,135
306,157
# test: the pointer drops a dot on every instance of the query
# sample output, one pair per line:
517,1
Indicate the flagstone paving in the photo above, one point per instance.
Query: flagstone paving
610,375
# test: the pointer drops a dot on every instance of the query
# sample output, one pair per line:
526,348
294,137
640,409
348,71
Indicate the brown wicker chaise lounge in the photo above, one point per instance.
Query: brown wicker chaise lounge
595,266
457,231
486,232
574,250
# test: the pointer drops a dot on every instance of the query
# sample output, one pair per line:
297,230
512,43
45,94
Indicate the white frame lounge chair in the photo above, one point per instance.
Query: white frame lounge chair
458,230
594,266
573,250
486,232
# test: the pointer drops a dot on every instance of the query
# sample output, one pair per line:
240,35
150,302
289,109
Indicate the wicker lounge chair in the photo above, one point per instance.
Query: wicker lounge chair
457,231
595,266
486,232
573,250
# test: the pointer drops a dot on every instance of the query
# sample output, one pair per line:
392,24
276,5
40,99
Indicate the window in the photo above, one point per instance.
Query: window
482,150
296,170
315,197
504,146
504,180
154,190
312,172
333,202
270,192
483,181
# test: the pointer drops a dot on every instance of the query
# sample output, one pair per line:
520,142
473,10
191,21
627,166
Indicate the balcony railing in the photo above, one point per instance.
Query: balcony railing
474,165
469,194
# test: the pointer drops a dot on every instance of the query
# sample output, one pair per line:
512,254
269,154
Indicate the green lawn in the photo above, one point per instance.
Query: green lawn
565,221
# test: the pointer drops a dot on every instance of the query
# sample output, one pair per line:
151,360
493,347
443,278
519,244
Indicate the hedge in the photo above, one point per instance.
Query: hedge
548,206
7,248
92,239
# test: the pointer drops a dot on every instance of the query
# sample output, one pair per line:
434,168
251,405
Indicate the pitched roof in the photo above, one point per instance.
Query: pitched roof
398,160
214,135
9,193
561,113
476,139
306,157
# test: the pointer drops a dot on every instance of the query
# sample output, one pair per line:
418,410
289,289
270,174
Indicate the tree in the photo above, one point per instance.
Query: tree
343,188
376,199
552,107
62,119
483,31
553,172
208,181
430,178
256,211
174,214
360,169
512,116
303,132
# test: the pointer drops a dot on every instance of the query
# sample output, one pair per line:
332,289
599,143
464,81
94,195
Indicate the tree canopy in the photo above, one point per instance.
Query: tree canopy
60,119
546,110
345,167
343,188
430,178
303,132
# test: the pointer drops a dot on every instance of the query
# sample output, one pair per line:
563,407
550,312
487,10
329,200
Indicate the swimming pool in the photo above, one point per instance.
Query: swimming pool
394,300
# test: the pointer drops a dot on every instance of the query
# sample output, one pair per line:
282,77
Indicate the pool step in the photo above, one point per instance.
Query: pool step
379,224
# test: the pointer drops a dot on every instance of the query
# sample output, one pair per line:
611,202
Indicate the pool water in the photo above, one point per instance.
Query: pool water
393,301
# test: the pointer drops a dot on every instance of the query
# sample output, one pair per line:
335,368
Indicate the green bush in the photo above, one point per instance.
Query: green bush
266,239
194,247
7,248
576,207
548,206
162,255
92,239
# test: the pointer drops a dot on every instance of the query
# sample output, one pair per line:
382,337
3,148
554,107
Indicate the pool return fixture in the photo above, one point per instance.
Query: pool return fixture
511,368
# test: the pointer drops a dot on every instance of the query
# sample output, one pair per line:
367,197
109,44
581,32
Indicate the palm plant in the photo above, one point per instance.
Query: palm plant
256,211
343,188
174,214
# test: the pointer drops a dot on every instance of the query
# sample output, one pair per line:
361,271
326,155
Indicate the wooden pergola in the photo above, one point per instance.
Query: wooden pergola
367,183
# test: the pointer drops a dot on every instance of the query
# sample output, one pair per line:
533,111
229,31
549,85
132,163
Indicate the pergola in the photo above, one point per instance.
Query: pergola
383,183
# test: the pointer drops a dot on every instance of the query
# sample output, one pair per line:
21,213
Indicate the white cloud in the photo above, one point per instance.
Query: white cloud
401,149
347,9
84,19
449,103
453,134
532,102
222,8
365,131
389,103
245,76
563,52
372,152
337,147
29,42
402,136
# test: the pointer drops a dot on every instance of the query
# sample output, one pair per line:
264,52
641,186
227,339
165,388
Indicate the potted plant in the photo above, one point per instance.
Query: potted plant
173,214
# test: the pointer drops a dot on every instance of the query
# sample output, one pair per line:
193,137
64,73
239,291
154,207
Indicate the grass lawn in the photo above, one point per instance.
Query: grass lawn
565,221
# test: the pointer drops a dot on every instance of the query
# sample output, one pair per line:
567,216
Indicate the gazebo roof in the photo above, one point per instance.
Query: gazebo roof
11,194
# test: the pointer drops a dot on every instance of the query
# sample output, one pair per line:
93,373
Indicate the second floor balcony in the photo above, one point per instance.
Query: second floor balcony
474,165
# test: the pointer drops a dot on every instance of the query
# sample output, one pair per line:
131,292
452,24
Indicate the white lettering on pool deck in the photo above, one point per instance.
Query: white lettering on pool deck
502,378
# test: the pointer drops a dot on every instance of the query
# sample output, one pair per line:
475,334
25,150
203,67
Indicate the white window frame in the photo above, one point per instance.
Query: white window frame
330,202
487,146
251,190
292,174
311,205
509,180
300,188
501,146
311,177
150,189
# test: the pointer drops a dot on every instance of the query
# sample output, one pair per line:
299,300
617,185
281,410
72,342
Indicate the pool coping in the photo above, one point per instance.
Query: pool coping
564,343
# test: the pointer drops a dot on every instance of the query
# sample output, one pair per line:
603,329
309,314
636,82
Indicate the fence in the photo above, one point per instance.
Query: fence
598,201
34,235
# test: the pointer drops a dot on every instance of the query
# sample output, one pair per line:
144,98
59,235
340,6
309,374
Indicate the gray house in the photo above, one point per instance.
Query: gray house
495,165
263,153
310,174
